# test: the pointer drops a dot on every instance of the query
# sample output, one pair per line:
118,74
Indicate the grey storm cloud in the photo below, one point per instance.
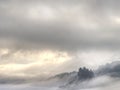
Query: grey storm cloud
68,25
78,24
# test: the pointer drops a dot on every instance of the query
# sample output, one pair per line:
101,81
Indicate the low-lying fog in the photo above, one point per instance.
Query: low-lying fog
103,83
107,77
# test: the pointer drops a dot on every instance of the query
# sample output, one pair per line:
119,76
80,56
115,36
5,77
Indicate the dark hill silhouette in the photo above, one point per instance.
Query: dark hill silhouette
111,69
85,74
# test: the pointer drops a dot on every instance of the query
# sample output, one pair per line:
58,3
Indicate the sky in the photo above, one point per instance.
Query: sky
41,38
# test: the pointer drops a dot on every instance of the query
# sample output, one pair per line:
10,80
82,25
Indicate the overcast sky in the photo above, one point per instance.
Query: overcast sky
41,37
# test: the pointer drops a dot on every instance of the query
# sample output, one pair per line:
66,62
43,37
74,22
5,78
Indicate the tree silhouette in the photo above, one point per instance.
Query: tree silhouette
85,73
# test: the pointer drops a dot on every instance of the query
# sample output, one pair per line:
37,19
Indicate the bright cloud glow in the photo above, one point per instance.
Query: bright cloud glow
21,61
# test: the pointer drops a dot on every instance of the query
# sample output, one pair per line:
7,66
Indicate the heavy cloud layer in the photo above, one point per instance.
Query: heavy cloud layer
61,25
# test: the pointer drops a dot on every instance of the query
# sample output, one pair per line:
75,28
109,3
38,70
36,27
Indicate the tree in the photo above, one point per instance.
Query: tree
85,73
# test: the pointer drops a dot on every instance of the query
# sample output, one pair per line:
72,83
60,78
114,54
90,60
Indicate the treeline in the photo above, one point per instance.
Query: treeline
85,73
